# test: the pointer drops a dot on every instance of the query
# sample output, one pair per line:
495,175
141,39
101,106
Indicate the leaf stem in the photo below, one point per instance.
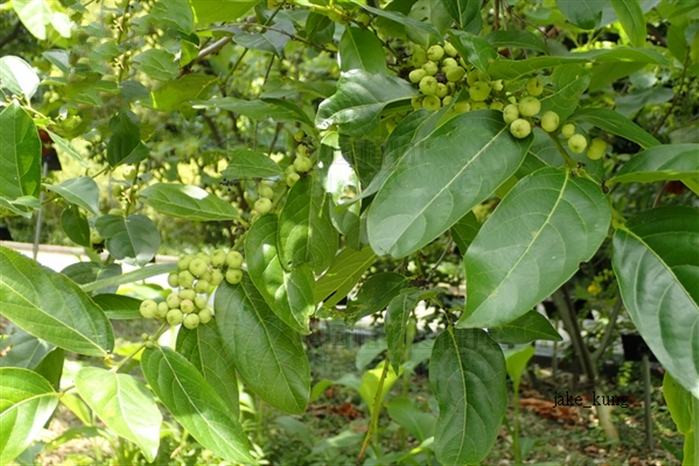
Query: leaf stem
568,160
374,423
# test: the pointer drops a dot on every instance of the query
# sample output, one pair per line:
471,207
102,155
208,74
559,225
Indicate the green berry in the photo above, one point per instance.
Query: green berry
129,172
455,73
496,105
419,56
218,258
520,128
416,102
200,302
204,257
299,135
364,19
473,77
173,280
462,107
263,205
117,190
186,279
202,286
191,321
95,237
577,143
162,310
534,87
216,277
117,212
302,165
529,106
234,259
174,317
450,49
448,63
173,300
186,306
197,267
432,103
416,75
550,121
428,85
479,91
446,100
442,90
265,190
292,178
187,294
207,276
430,68
234,276
510,113
148,308
205,316
183,262
479,106
568,130
435,53
498,85
597,149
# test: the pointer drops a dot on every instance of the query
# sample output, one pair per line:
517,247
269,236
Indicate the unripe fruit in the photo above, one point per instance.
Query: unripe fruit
534,87
148,308
529,106
202,286
299,135
450,49
292,178
234,259
95,237
479,106
428,85
479,91
183,262
218,258
173,280
191,321
83,61
186,279
430,68
448,63
197,267
364,19
234,276
597,148
419,55
442,90
455,73
446,101
200,302
173,300
162,310
204,257
129,172
498,85
117,190
416,75
568,130
149,344
577,143
435,53
473,77
497,105
265,190
510,113
117,212
174,317
216,278
204,316
207,276
262,205
186,306
520,128
416,102
187,294
302,165
462,107
550,121
432,103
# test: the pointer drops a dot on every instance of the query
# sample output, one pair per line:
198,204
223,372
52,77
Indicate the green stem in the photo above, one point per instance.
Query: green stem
569,161
374,423
515,435
123,362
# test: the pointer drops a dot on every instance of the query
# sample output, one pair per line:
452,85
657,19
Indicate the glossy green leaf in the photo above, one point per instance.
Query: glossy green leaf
65,145
157,64
467,375
18,76
124,405
20,153
125,145
363,155
51,307
396,323
418,423
542,230
570,81
51,367
683,409
361,49
359,100
246,164
666,162
306,234
513,69
425,30
476,50
88,272
139,274
464,231
629,104
268,356
344,273
368,352
203,347
260,109
270,41
188,202
75,225
516,360
464,12
206,11
177,14
20,349
375,294
656,260
585,14
444,175
195,404
175,93
631,18
517,38
530,327
134,238
117,306
27,402
288,293
429,12
615,123
82,191
37,15
369,387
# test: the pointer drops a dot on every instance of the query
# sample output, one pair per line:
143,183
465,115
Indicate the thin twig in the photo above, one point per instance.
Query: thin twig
439,261
675,100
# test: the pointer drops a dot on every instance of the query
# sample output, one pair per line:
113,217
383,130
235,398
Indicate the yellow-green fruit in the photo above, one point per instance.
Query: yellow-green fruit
435,53
416,75
302,164
446,101
148,308
498,85
216,277
204,257
416,102
218,258
568,130
117,190
577,143
550,121
497,105
473,77
117,212
419,57
191,321
428,85
205,316
197,267
462,107
202,286
534,87
183,262
185,279
162,310
174,317
292,178
186,306
299,135
430,68
454,73
200,302
450,49
187,294
234,259
448,63
234,276
432,103
479,106
173,280
479,91
529,106
510,113
364,19
265,190
173,300
520,128
129,172
597,148
442,90
262,205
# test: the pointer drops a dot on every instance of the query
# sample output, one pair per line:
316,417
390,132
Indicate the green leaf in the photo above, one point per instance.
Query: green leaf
206,11
269,41
516,360
474,49
517,38
248,164
174,93
527,328
585,14
344,272
376,293
18,76
288,293
20,153
363,155
117,306
20,349
136,275
464,12
429,12
203,347
467,375
666,162
542,230
51,307
514,69
124,405
306,234
368,352
87,272
683,409
75,225
268,356
27,403
195,404
396,323
615,123
656,260
359,100
68,148
134,238
176,14
570,81
369,387
51,367
81,191
464,231
424,31
260,109
632,20
36,15
417,423
157,64
188,202
361,49
125,145
467,158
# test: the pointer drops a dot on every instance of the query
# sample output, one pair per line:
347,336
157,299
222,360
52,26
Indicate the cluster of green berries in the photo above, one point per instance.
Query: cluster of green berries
439,73
302,164
263,204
